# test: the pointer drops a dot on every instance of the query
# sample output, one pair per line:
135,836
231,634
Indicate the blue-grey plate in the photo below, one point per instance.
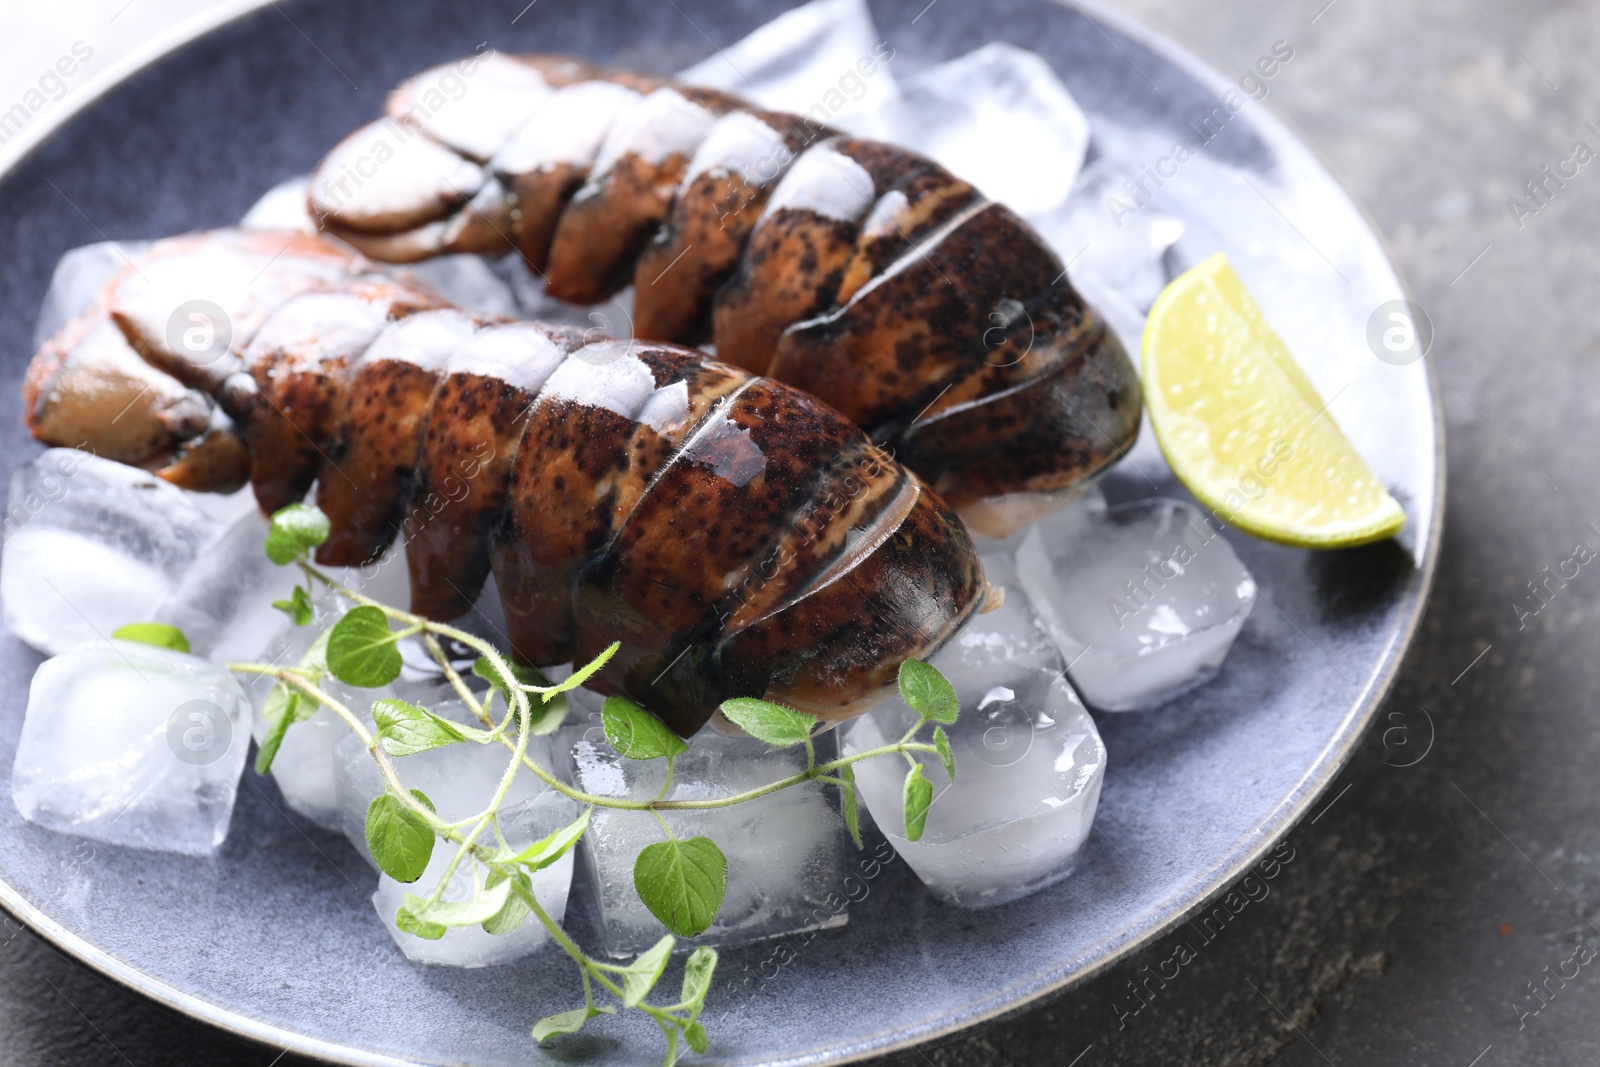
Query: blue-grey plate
276,938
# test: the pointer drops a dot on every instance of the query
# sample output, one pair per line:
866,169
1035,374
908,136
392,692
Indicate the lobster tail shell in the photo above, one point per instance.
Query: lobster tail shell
860,272
737,536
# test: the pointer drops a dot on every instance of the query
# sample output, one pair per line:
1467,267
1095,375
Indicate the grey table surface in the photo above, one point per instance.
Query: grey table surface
1442,912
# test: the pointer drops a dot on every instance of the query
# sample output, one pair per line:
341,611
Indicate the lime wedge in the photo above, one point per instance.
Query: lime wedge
1243,426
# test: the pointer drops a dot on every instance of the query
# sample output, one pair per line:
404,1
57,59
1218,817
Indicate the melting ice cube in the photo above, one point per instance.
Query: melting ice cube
460,780
78,278
132,745
976,114
825,60
1029,762
92,545
1091,232
784,850
1143,599
223,603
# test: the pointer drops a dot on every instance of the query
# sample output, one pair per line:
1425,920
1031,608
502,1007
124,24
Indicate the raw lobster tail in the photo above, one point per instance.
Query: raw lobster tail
865,274
736,535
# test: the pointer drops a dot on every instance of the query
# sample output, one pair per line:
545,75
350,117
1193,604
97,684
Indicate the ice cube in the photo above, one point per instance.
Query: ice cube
1125,249
132,745
460,780
785,850
472,946
223,604
962,111
92,545
457,776
304,767
77,281
1029,762
825,60
283,207
1143,599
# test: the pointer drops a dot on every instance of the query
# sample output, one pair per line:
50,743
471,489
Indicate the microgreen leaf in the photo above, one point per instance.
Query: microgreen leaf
697,1037
585,672
158,634
548,715
482,907
641,976
765,721
948,758
405,729
682,883
851,803
637,734
285,706
409,923
567,1022
297,607
361,649
918,796
295,529
928,692
398,838
697,971
544,852
515,910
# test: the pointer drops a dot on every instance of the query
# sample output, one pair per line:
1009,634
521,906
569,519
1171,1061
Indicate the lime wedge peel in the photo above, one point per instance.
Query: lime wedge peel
1244,428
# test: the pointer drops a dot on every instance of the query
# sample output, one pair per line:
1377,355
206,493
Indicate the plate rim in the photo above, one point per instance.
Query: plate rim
1275,127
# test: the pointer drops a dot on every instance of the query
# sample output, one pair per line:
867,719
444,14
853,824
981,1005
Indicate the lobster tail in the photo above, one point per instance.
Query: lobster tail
860,272
726,528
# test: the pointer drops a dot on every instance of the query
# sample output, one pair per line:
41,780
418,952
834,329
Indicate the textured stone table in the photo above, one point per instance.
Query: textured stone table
1425,902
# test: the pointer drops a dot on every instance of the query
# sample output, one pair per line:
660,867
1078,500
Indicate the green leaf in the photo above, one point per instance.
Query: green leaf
851,803
405,729
285,706
544,852
297,607
928,692
948,758
361,649
697,972
158,634
399,839
697,1037
637,734
588,670
548,715
514,912
918,796
410,924
567,1022
682,883
483,907
641,976
295,529
769,722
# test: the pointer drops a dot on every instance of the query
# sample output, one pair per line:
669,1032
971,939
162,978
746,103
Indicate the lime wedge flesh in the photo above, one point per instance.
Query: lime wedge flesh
1242,425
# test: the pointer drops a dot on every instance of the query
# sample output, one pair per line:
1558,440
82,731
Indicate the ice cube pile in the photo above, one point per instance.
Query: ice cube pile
785,851
1029,762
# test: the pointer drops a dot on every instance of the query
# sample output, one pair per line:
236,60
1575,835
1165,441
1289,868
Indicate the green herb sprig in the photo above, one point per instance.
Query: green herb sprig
681,881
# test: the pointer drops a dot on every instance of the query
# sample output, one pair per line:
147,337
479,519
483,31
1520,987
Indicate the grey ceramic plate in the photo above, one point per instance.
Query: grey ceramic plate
275,937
